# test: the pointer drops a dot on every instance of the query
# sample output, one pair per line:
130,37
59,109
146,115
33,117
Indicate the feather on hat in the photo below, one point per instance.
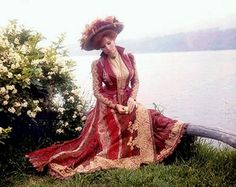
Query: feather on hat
99,26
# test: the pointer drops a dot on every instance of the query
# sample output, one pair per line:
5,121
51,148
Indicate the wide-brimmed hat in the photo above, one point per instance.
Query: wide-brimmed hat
97,27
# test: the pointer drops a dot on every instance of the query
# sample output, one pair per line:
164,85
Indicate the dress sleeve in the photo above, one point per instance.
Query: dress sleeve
97,85
135,79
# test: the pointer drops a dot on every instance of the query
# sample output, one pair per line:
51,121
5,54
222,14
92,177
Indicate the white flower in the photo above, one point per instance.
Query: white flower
55,69
51,73
17,104
12,110
66,124
14,91
4,69
37,109
24,49
58,100
76,92
3,90
82,101
61,110
9,75
59,131
1,67
1,130
79,108
14,66
72,99
74,116
78,128
83,118
7,97
31,114
36,62
18,76
10,87
36,102
25,104
5,102
13,55
17,65
16,41
27,80
49,77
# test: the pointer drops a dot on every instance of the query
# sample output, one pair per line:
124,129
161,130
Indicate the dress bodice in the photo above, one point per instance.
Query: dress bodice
120,70
115,80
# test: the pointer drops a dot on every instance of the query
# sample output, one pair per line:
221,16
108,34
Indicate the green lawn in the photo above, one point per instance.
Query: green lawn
209,166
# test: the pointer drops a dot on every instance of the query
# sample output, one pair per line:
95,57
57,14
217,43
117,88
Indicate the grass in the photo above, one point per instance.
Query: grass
209,166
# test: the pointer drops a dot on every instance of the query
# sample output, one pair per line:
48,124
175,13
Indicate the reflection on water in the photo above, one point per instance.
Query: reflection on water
195,87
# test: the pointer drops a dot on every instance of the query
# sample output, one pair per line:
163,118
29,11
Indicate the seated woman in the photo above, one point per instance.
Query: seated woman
119,131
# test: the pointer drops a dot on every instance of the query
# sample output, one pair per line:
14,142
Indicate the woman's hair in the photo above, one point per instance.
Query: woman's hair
97,39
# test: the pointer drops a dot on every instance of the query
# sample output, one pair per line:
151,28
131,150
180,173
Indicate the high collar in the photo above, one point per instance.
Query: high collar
119,49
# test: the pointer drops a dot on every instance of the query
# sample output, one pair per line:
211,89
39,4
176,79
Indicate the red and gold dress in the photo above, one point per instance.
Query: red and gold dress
110,139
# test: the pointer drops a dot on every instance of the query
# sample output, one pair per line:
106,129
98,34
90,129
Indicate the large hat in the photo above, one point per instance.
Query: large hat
96,28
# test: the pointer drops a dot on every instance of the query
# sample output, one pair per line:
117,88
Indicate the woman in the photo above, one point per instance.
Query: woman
119,132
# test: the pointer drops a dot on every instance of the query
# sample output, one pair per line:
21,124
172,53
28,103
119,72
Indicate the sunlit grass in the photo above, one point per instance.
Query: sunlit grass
209,166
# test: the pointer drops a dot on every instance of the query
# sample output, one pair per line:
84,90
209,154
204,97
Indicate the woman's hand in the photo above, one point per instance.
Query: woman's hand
131,105
121,109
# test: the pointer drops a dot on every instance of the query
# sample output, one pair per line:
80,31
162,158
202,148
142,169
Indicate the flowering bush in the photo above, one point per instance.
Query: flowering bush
36,83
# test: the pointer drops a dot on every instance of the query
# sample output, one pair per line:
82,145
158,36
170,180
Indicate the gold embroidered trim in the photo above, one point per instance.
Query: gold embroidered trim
144,141
122,74
60,171
103,131
107,78
174,138
135,82
97,85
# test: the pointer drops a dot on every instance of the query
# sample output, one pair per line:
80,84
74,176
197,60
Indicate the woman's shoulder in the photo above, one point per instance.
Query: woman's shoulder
131,57
97,63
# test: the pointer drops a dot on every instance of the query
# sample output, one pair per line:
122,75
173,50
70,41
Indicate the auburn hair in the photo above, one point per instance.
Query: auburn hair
97,39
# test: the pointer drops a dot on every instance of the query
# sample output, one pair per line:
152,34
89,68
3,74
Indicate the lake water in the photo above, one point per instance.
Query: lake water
196,87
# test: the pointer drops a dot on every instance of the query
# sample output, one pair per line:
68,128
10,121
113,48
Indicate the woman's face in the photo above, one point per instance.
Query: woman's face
108,46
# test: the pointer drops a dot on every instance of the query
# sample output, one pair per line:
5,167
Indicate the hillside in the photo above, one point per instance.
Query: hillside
208,39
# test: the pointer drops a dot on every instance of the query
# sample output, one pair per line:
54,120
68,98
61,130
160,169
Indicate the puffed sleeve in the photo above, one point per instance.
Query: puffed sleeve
135,79
97,85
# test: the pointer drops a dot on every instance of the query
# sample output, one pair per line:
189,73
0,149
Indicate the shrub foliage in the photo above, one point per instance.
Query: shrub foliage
39,101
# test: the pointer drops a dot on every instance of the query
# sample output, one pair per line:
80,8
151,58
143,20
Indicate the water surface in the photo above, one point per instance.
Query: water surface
196,87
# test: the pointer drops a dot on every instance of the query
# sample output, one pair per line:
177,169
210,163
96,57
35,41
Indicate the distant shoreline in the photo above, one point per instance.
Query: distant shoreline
201,40
97,53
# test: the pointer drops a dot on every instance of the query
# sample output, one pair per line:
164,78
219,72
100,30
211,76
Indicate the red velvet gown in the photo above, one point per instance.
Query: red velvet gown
110,139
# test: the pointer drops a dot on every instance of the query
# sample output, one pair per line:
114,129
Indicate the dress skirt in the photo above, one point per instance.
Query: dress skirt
111,140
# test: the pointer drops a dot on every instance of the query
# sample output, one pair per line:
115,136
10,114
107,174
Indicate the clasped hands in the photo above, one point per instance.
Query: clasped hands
131,105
